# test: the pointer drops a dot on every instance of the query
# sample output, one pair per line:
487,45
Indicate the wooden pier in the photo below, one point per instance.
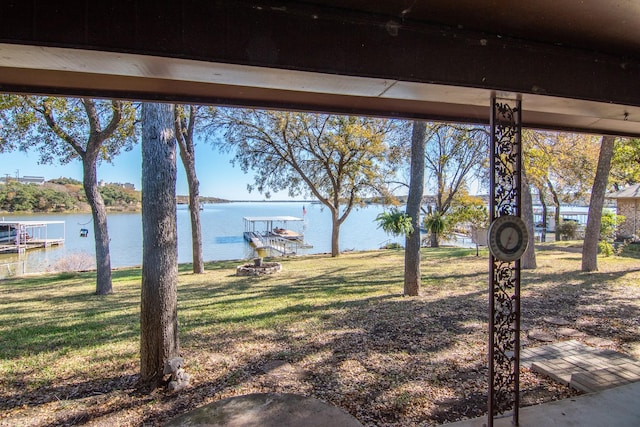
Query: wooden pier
264,243
37,244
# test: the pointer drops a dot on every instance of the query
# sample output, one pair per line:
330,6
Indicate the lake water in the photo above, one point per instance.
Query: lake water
222,229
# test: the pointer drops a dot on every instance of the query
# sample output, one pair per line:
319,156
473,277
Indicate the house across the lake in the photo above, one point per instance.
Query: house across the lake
26,179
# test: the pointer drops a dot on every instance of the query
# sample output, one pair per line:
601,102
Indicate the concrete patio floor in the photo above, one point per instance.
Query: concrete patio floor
266,410
615,407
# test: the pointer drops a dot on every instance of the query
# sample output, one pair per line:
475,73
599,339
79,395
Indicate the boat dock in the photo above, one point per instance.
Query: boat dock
270,234
21,236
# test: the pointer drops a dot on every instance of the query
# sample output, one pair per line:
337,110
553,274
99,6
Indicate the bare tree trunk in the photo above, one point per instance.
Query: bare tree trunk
158,313
184,136
335,233
98,134
592,231
528,260
435,241
543,203
196,227
414,200
100,229
556,201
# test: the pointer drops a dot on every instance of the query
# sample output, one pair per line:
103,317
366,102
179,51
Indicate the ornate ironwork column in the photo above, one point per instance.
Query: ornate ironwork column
504,277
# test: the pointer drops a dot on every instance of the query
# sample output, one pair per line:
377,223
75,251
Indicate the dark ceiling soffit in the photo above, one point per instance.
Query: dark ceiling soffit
139,89
154,90
345,42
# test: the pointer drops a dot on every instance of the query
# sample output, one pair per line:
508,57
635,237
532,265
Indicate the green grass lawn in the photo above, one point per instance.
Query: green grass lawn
340,325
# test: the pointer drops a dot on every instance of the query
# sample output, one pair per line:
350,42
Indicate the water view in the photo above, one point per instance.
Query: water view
222,229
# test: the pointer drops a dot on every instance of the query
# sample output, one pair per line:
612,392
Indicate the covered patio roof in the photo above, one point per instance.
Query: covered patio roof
575,64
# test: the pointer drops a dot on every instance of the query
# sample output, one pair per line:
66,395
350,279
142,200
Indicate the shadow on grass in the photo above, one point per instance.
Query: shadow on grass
576,295
59,313
447,253
77,390
359,344
376,333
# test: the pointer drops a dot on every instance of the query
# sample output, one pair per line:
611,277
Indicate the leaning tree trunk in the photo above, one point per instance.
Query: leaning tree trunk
528,260
594,220
184,129
158,313
100,230
414,200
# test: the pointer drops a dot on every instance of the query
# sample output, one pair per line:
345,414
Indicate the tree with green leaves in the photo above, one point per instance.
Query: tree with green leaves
408,223
15,196
339,160
114,195
625,163
560,165
65,129
436,224
467,211
454,153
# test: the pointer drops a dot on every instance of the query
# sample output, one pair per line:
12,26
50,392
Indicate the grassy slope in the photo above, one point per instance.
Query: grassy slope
341,326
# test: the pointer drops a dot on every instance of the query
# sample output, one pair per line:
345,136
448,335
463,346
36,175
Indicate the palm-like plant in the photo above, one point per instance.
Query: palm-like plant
395,222
436,224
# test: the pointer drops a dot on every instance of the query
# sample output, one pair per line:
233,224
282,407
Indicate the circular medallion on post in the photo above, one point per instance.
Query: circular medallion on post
508,237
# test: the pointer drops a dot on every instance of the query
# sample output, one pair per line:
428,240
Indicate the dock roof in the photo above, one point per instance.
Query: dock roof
30,223
271,218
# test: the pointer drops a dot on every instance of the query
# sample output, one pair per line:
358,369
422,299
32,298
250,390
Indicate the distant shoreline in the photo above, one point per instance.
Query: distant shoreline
138,208
270,201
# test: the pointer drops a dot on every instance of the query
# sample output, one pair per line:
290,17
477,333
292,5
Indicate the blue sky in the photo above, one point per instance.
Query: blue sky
218,178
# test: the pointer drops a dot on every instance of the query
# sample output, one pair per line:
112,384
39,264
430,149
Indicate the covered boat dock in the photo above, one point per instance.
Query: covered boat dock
271,233
20,236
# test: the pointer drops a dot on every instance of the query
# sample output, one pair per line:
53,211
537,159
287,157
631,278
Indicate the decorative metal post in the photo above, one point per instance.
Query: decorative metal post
504,276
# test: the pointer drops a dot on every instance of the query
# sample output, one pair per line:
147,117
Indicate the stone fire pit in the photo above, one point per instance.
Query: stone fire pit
258,268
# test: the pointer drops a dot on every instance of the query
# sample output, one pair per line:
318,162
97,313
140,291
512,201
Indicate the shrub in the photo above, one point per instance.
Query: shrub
609,225
630,249
605,248
568,230
65,181
392,246
435,222
395,222
115,195
73,262
15,196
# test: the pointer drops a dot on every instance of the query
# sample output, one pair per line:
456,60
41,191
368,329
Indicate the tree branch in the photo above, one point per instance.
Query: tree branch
47,113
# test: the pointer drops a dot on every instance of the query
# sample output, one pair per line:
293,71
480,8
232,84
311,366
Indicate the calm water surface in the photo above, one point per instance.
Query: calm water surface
222,228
